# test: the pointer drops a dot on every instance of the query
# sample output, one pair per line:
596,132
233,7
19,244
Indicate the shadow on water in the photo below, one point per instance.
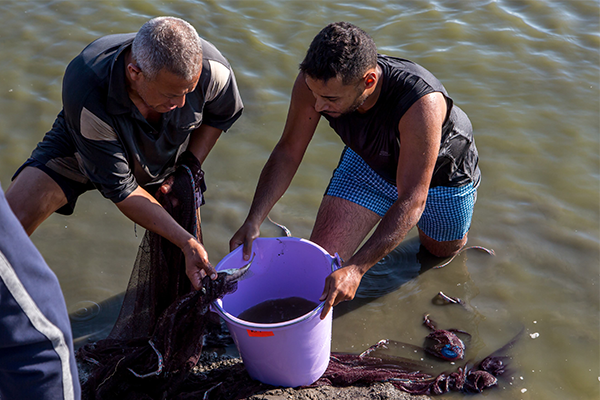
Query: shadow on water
404,263
93,321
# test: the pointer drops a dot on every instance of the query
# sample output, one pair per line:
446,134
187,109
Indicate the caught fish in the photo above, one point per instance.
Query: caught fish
382,344
227,278
238,274
285,230
443,298
491,252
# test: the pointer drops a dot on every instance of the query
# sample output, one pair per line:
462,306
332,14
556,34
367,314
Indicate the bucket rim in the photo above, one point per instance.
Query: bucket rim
336,263
262,326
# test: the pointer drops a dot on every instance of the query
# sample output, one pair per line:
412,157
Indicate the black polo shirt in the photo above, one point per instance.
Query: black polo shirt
101,137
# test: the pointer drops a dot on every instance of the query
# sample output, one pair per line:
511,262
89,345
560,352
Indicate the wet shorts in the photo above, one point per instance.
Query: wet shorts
72,189
448,211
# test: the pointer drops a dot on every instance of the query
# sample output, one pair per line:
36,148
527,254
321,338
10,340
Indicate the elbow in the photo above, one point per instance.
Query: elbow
285,153
417,209
412,208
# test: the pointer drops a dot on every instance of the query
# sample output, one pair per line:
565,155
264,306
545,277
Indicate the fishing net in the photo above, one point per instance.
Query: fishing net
157,338
407,375
154,349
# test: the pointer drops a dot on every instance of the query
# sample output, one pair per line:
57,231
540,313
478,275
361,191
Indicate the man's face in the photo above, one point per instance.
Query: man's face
165,92
334,98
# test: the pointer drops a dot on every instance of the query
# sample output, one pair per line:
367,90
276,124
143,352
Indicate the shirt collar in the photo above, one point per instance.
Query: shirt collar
118,101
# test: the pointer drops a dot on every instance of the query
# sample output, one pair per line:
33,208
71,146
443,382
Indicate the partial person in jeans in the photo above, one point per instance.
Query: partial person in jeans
36,344
409,158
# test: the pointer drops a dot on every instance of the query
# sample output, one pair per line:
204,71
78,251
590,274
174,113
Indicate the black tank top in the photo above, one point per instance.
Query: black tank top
374,135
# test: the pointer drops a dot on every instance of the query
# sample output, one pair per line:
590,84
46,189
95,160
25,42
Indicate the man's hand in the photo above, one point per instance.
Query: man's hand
165,188
167,185
197,265
245,236
340,285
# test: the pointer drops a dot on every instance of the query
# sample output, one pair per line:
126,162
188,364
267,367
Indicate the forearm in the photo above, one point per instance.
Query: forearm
341,285
274,180
202,140
283,163
402,216
144,210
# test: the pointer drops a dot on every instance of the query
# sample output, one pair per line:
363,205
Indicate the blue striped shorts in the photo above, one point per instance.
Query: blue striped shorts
448,211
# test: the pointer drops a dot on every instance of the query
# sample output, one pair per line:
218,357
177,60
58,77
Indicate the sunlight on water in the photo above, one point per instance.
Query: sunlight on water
526,73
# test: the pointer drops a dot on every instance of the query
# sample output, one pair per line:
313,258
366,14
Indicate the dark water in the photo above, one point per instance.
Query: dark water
278,310
527,72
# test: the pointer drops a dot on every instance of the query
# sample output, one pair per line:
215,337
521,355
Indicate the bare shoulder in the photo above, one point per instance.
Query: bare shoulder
301,94
429,112
432,103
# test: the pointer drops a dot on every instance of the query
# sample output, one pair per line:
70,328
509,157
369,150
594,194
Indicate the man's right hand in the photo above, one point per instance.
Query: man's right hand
245,236
197,265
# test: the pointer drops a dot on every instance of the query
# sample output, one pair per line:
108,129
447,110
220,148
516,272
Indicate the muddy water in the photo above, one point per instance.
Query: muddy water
527,74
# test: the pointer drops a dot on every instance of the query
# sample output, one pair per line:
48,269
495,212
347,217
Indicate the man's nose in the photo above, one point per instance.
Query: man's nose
178,101
320,105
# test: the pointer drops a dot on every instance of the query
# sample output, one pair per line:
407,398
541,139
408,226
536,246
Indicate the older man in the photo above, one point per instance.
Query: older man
410,158
134,105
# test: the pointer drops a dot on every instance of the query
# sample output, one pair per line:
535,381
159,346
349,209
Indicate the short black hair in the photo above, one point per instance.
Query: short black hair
340,49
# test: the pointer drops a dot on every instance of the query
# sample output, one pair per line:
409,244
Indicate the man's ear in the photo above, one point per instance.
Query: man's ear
370,80
135,73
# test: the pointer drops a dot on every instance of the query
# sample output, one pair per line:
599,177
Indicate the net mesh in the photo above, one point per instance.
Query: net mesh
157,338
154,348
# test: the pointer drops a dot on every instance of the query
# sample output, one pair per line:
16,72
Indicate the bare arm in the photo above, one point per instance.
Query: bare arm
420,135
282,165
144,210
203,140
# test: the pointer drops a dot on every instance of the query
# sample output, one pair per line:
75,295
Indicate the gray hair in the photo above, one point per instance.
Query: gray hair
170,43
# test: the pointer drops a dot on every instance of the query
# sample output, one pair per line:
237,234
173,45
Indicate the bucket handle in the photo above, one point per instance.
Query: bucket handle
336,262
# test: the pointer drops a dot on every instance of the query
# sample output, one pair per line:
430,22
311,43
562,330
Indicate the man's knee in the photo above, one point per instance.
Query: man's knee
33,196
442,249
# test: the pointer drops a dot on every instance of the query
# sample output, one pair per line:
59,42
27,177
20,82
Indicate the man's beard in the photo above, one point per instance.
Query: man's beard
360,100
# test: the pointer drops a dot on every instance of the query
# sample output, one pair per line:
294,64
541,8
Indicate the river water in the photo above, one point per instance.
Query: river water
527,74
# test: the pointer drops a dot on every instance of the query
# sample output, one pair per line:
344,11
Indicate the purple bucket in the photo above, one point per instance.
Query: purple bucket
290,353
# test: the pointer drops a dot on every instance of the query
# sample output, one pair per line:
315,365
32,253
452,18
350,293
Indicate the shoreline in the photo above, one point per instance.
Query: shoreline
224,377
232,369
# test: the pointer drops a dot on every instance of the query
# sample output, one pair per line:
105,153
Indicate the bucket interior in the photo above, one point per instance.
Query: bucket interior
282,268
